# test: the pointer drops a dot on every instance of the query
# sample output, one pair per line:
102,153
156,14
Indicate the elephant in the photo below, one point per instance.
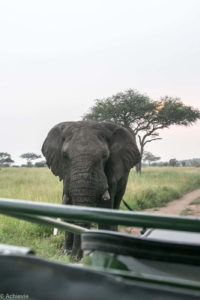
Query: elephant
93,159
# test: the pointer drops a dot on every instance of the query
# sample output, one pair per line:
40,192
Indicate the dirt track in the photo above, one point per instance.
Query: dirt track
177,206
173,208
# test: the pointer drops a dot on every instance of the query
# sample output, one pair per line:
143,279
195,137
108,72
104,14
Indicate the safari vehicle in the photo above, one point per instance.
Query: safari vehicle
161,263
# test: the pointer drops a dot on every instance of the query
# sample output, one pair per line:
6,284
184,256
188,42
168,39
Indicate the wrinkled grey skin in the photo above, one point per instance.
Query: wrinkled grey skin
93,160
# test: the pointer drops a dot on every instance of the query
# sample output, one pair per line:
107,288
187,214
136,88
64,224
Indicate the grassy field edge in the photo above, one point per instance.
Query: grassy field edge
154,187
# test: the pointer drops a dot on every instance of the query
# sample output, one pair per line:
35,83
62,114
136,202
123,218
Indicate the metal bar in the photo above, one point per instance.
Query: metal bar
152,278
49,222
107,216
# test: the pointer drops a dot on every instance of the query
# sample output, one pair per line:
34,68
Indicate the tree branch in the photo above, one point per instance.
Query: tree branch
148,141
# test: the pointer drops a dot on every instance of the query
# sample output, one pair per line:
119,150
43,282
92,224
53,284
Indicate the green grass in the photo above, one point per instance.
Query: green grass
154,187
33,184
186,212
39,238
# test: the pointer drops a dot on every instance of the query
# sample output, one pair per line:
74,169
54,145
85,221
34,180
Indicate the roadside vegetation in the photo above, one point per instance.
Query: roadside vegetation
155,187
188,211
196,201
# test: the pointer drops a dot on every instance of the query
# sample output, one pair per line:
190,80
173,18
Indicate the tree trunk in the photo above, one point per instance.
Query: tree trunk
139,165
138,168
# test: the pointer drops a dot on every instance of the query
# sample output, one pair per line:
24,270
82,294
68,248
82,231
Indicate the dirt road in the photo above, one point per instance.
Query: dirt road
175,207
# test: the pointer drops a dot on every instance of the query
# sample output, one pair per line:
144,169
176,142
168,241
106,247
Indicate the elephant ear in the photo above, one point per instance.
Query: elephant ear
51,149
124,153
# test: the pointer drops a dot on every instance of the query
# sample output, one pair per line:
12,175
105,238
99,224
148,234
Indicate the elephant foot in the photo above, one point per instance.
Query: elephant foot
77,252
108,227
77,257
65,251
69,239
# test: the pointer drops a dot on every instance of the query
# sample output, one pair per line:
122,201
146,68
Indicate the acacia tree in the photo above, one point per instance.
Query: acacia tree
148,156
142,116
29,157
173,162
5,159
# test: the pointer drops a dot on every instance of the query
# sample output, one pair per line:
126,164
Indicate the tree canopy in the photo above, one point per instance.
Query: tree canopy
142,116
29,156
173,162
5,159
148,156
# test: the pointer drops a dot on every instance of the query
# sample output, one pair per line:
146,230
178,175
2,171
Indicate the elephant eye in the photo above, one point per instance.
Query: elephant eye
65,155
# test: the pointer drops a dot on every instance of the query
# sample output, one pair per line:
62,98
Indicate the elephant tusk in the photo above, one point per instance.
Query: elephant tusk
106,196
65,199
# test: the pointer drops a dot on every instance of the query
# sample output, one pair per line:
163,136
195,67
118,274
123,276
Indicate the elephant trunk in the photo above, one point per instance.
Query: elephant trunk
86,185
82,190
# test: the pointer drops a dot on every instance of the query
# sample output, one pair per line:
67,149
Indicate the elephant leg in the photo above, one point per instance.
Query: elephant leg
108,204
121,187
69,237
117,191
77,252
108,227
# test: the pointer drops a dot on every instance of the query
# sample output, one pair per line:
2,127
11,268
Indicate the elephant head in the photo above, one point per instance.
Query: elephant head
93,159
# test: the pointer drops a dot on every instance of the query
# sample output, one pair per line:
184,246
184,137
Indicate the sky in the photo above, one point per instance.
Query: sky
57,57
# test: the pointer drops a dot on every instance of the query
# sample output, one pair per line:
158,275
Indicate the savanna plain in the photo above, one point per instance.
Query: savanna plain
154,187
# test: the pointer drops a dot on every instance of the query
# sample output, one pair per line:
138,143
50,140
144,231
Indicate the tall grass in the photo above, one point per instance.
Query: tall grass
154,187
36,185
157,186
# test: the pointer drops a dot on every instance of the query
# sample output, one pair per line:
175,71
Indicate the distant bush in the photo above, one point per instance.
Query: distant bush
5,165
173,162
155,197
40,164
196,163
